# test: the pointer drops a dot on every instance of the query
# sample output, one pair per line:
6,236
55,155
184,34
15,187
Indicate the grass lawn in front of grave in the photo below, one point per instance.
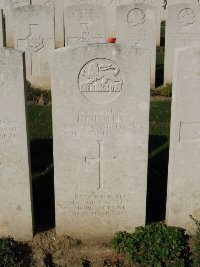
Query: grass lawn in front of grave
41,148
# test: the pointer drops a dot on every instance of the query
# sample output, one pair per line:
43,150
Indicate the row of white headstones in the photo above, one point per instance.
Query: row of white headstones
100,141
37,30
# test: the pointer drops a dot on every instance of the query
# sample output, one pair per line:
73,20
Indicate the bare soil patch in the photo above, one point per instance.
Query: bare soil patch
48,250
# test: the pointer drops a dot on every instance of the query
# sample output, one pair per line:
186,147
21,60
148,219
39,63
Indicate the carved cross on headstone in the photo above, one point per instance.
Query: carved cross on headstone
100,160
34,43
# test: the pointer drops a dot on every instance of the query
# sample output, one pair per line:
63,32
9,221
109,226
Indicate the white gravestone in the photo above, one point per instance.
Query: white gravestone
1,29
15,196
184,158
111,6
58,9
37,40
136,25
84,24
100,125
9,6
182,30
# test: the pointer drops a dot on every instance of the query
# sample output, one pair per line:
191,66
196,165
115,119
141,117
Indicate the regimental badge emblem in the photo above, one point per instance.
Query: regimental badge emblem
100,81
136,17
186,17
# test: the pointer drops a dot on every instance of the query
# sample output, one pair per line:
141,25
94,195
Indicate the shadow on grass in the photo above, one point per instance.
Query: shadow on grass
157,178
159,75
162,41
41,154
43,184
43,202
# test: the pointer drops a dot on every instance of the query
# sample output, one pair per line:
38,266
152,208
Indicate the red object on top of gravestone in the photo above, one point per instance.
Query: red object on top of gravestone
111,40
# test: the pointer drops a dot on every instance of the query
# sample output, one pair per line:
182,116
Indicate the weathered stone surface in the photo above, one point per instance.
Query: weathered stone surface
101,116
84,24
174,2
182,30
1,28
15,199
9,5
58,9
37,40
136,24
184,157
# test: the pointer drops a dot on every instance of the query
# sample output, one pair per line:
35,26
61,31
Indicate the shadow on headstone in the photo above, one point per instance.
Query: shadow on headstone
157,178
43,184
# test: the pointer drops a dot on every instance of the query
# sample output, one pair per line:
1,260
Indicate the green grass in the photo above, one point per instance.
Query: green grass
40,122
160,118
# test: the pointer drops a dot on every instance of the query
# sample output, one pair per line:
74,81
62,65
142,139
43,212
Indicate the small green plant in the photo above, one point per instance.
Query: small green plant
155,245
8,256
165,91
196,247
36,95
13,253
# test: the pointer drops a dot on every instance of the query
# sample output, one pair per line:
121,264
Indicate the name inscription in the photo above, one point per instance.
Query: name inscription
96,123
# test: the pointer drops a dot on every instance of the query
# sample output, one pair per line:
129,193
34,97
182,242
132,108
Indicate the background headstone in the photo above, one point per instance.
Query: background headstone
2,4
163,10
184,158
15,196
9,5
182,30
1,29
136,24
37,40
84,24
111,6
58,9
101,142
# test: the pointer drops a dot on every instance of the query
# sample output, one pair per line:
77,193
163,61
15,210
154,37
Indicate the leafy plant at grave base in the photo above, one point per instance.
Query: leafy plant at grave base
36,95
155,245
8,255
165,91
13,253
196,247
